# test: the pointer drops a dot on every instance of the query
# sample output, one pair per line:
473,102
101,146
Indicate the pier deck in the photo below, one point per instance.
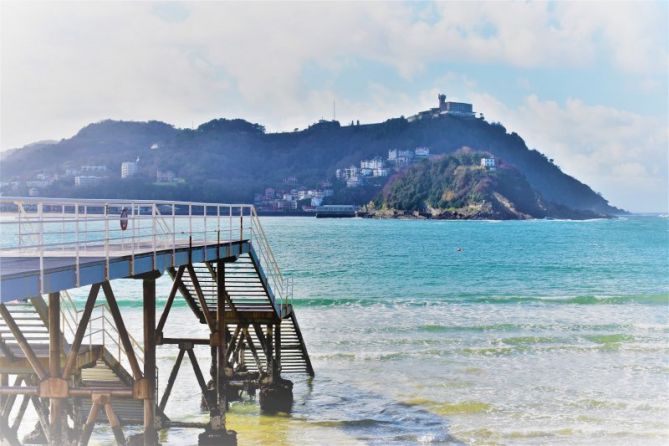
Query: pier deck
83,362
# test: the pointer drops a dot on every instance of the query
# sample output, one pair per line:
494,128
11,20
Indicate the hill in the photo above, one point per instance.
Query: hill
231,160
456,186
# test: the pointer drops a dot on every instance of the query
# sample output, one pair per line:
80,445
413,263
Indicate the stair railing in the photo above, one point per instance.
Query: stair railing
281,285
101,330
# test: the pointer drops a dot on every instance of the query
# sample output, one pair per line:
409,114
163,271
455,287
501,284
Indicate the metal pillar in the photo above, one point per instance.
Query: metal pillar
216,433
149,290
55,411
220,331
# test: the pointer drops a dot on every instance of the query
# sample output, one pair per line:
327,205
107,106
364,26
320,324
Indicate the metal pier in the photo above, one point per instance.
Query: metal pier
75,362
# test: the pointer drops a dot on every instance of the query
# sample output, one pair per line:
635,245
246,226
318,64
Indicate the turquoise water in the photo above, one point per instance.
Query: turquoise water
461,332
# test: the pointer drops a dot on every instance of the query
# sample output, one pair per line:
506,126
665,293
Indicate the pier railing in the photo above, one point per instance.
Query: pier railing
108,229
101,330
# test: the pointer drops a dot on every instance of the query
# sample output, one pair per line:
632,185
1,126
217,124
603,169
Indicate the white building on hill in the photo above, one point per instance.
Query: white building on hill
488,163
129,168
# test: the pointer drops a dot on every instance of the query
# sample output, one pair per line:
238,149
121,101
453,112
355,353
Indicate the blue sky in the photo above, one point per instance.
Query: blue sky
585,83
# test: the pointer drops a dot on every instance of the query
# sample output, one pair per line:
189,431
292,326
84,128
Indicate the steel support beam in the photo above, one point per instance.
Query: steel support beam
170,301
220,331
56,421
90,423
277,350
252,347
200,298
81,330
170,381
123,333
270,353
149,291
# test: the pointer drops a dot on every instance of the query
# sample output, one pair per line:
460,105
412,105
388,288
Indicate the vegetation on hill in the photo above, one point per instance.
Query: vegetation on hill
230,160
456,186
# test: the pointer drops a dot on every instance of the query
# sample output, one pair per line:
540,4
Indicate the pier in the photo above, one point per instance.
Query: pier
73,361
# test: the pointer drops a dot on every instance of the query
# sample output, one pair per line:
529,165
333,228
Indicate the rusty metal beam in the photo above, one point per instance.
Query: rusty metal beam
123,333
195,341
90,423
6,352
19,414
9,398
81,330
18,390
23,343
252,347
200,297
214,274
231,347
7,435
55,411
277,349
90,391
270,354
220,380
187,296
170,380
261,339
115,424
42,415
149,294
198,375
170,300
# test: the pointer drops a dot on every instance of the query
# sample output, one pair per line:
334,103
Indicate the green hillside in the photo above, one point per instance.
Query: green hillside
230,160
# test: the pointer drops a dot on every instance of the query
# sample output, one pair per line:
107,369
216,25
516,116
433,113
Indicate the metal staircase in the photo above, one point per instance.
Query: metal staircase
102,356
294,356
102,375
250,297
110,370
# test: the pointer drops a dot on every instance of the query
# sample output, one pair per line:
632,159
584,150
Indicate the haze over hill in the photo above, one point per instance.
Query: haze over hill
232,160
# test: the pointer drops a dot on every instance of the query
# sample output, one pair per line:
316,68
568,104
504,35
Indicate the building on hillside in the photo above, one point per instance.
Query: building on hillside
400,158
129,168
374,163
86,180
459,109
355,181
349,172
98,168
422,152
381,172
164,176
488,163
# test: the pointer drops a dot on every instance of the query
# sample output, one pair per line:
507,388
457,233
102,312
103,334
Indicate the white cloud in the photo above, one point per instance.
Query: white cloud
64,65
621,154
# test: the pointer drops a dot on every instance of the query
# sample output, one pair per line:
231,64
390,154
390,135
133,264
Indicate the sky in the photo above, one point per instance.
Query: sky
585,83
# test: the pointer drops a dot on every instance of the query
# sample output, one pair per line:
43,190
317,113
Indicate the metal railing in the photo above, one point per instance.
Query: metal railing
101,330
108,229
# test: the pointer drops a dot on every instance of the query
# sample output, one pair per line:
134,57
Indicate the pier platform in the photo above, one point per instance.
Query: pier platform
78,366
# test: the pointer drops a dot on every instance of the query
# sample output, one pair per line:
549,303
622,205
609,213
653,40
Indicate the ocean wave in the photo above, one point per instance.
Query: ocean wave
648,299
652,299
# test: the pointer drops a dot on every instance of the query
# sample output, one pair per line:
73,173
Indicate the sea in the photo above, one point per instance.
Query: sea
457,333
